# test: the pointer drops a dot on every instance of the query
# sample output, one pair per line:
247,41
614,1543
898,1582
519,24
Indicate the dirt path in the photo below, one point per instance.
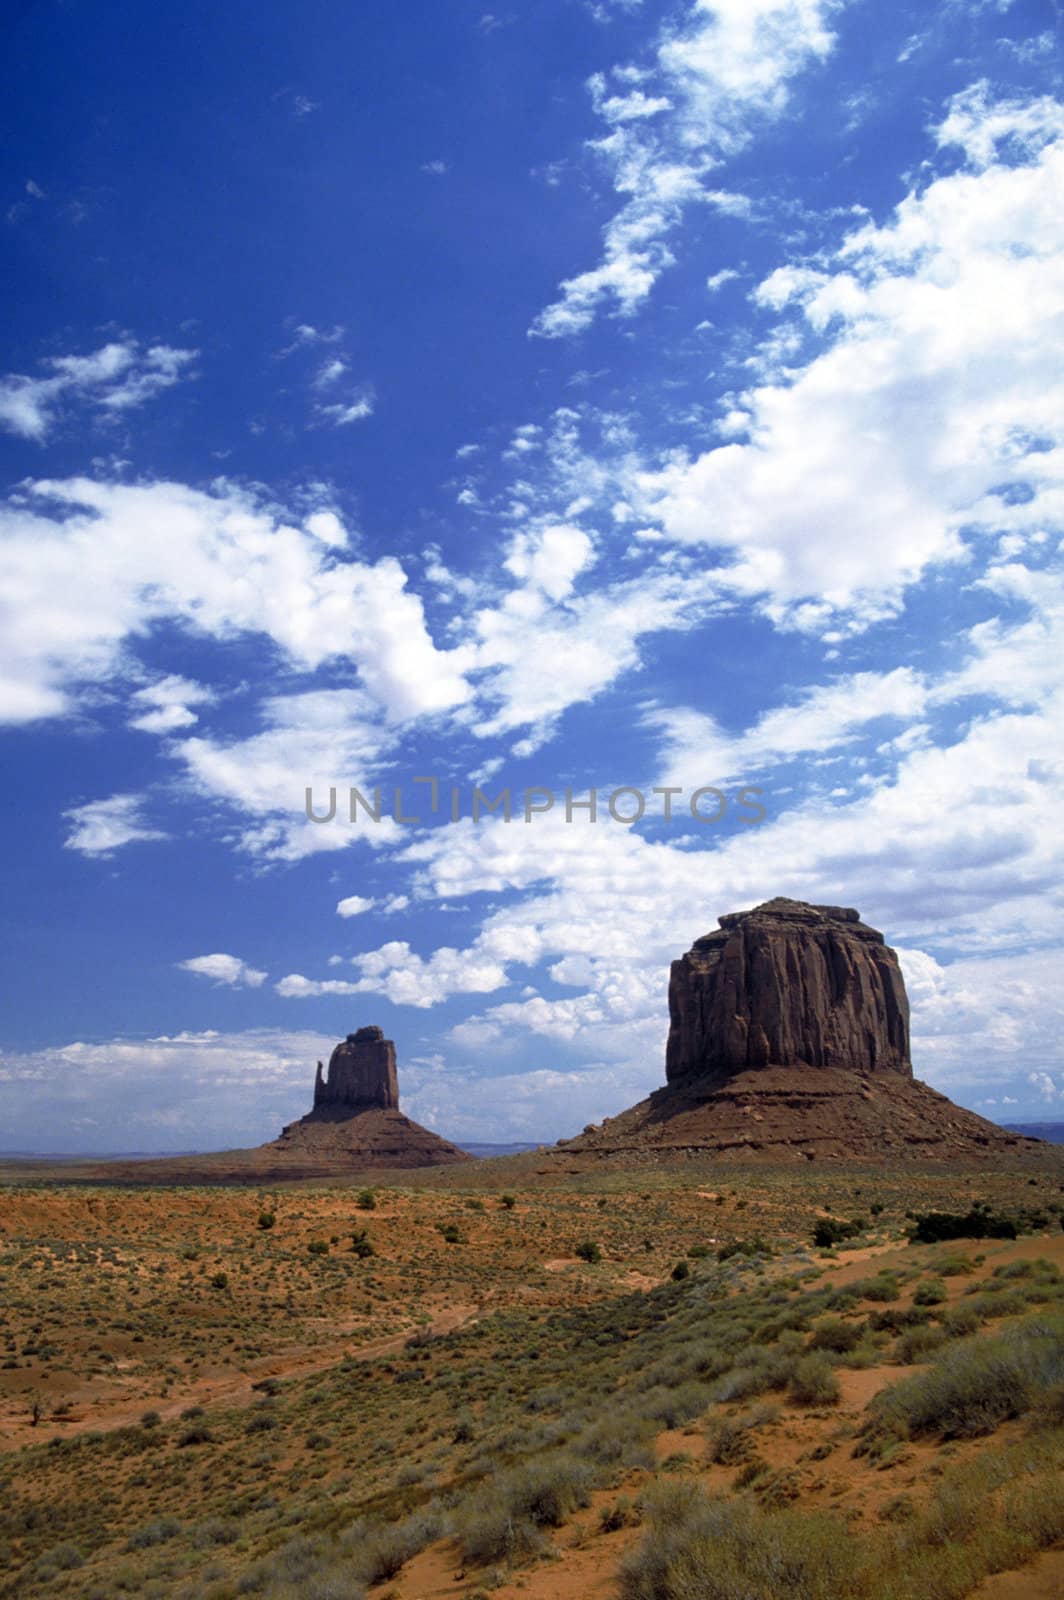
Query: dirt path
105,1415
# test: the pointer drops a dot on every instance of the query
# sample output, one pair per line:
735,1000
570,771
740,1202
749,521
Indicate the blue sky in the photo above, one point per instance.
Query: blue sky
579,395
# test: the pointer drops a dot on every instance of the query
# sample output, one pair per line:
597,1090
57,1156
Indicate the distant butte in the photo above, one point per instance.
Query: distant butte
355,1120
789,1040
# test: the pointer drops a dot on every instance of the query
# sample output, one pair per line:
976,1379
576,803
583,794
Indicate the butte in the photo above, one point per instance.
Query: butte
789,1040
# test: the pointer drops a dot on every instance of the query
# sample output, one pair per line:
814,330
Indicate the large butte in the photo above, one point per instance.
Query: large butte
789,1040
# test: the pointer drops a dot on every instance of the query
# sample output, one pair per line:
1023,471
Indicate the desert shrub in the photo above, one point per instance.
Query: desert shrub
813,1382
362,1244
673,1407
828,1231
918,1344
588,1250
955,1265
503,1519
772,1370
449,1232
960,1321
979,1222
744,1247
267,1220
220,1280
729,1550
898,1318
150,1419
975,1384
199,1433
729,1439
318,1247
622,1439
620,1515
507,1201
158,1531
366,1200
882,1288
931,1292
834,1334
382,1552
680,1271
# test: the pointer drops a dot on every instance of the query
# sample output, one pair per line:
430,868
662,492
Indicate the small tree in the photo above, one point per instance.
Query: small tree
588,1250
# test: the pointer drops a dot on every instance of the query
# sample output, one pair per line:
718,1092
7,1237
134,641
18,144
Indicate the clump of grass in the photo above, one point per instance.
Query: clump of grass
729,1439
813,1382
729,1550
504,1519
974,1385
836,1335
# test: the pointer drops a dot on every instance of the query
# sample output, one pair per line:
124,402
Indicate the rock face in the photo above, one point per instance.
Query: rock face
789,1041
788,985
355,1121
362,1073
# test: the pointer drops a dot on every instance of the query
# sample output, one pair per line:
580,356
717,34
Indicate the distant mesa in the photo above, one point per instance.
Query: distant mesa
355,1120
789,1039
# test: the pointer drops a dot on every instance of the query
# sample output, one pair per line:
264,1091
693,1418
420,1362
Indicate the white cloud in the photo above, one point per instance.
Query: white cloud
165,706
202,1090
330,372
405,978
341,413
103,826
81,581
986,126
826,717
325,740
114,378
354,905
722,73
305,335
220,968
884,454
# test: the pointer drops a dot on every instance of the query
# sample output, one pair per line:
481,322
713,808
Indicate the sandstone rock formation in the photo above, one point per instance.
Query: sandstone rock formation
789,1040
788,985
362,1073
355,1121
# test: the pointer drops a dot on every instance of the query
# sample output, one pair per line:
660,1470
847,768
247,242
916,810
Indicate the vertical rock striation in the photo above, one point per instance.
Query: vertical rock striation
362,1074
788,985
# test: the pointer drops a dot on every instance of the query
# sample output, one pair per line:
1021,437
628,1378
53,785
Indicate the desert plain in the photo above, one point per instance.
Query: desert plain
534,1377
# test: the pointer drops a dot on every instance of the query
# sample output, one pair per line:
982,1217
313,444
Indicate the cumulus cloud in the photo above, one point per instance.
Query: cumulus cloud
325,740
99,827
224,969
884,454
165,706
354,905
117,377
718,76
81,578
405,978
